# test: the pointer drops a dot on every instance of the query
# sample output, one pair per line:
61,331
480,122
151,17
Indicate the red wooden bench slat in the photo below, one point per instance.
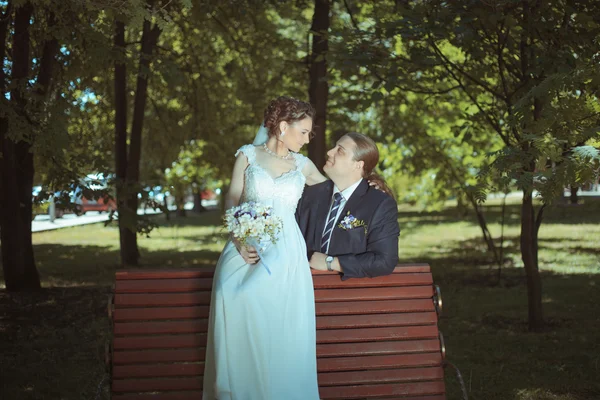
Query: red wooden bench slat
378,362
152,328
157,370
325,295
169,285
376,334
208,272
374,391
336,336
374,307
126,357
380,376
122,357
189,395
396,280
149,273
156,385
163,285
373,320
160,313
162,299
378,348
400,268
325,378
159,342
391,293
335,308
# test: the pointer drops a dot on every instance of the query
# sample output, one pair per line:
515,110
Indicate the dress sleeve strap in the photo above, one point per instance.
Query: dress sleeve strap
300,161
249,151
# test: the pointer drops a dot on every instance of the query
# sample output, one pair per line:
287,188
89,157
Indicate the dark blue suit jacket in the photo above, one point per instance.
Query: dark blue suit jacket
361,255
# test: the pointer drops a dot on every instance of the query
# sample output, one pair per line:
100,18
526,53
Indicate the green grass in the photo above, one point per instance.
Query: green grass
52,342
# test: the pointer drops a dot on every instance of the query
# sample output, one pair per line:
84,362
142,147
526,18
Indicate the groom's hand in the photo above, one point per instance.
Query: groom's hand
317,261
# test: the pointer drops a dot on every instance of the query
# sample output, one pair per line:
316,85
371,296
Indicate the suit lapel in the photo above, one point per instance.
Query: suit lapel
350,205
324,204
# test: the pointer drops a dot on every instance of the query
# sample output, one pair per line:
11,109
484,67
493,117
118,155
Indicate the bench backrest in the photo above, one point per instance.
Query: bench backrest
376,338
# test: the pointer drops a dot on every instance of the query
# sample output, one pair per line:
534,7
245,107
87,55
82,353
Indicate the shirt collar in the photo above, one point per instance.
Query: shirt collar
346,193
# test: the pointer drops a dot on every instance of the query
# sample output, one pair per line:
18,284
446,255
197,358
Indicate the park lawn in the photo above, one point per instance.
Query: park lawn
52,342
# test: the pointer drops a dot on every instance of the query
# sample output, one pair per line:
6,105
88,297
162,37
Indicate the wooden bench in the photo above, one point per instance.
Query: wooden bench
376,338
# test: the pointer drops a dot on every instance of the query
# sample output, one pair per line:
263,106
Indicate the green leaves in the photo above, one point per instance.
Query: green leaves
586,154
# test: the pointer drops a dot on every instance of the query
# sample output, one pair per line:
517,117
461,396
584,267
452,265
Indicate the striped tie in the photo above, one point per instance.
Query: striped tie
337,199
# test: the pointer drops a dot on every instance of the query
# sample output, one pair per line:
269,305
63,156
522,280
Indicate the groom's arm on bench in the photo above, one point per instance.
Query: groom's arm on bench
381,256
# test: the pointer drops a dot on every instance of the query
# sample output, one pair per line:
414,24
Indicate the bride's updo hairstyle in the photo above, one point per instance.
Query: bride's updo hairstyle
288,109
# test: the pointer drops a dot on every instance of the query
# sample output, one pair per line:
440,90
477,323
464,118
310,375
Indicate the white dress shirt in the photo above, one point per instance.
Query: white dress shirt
346,193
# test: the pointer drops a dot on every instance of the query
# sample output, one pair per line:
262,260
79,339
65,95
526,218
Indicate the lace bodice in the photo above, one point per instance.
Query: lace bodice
282,192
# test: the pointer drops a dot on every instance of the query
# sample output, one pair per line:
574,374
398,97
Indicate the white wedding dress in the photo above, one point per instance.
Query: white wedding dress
262,332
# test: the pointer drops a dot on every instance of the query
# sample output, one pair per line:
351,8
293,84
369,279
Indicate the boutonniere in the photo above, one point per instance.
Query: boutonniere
350,222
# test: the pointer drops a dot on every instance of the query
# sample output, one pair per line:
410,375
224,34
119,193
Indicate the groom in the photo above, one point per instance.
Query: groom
349,226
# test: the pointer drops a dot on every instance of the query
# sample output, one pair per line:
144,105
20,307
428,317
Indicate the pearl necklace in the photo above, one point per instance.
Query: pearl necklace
288,156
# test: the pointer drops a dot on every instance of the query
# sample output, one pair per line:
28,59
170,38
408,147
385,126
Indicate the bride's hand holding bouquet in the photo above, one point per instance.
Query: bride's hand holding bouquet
253,228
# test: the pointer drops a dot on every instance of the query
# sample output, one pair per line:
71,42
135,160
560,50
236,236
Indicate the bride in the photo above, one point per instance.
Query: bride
262,332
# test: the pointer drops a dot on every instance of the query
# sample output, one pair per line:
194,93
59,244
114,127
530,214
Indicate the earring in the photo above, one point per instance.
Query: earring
282,133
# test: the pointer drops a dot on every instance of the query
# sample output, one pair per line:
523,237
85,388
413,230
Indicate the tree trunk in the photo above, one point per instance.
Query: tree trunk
319,87
5,22
149,39
127,236
462,206
18,261
180,203
529,255
502,224
198,207
166,205
128,162
530,226
487,235
574,197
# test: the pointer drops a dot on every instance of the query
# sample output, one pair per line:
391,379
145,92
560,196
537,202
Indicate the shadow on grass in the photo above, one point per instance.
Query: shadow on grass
487,337
183,259
573,246
204,219
85,265
52,343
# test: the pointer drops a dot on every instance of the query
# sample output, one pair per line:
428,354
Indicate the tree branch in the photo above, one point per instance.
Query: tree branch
464,73
490,120
349,11
418,90
501,46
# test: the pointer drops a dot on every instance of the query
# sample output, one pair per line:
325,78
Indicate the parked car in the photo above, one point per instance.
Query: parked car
101,205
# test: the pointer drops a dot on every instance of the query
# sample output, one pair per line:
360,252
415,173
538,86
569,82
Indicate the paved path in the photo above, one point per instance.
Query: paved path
42,222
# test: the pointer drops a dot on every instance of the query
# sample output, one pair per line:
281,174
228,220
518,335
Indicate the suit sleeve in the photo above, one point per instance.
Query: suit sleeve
302,223
381,256
299,209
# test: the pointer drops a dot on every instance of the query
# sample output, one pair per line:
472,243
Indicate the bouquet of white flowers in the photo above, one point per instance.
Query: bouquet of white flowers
254,224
